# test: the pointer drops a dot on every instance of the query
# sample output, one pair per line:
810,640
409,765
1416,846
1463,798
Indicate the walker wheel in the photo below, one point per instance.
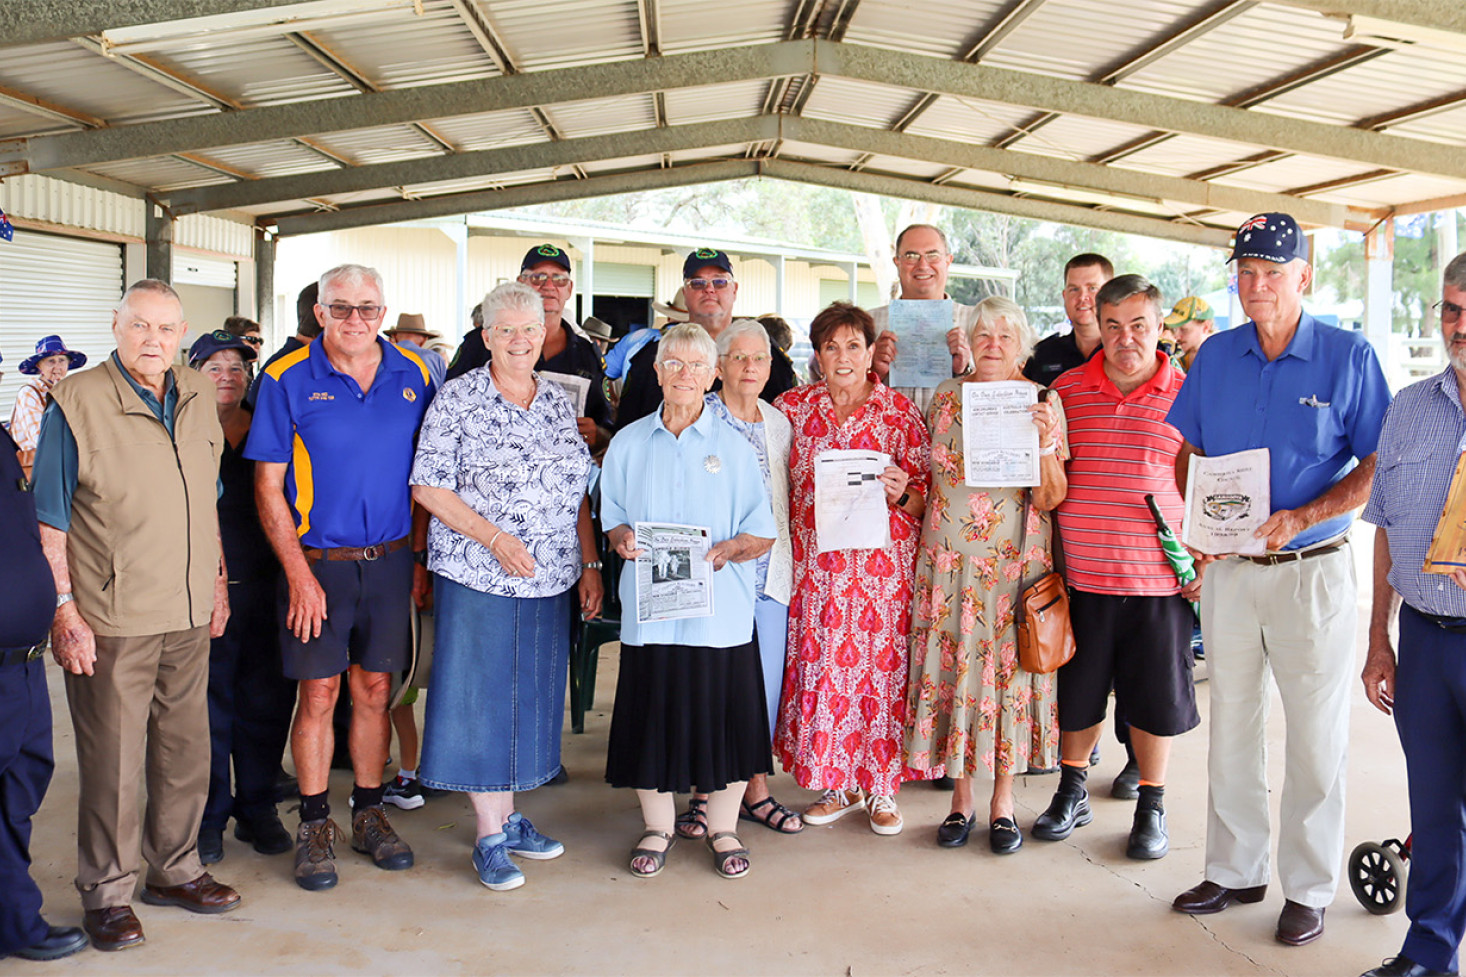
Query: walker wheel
1377,876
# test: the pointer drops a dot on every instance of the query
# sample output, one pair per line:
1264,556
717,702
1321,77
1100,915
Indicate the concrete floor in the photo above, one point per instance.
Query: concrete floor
834,900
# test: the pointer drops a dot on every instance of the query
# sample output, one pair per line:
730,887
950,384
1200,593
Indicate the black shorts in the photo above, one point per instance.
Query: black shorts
368,618
1140,646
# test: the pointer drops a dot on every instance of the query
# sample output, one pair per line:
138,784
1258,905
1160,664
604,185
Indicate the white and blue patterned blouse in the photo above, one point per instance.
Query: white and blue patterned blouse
525,471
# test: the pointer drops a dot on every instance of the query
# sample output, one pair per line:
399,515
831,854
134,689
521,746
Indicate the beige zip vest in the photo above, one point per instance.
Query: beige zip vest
144,540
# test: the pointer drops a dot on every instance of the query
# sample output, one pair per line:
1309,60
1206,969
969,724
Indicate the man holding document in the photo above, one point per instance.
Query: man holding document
1418,561
1314,397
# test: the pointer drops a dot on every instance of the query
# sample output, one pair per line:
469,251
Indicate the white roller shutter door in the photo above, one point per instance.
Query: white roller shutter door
619,278
53,284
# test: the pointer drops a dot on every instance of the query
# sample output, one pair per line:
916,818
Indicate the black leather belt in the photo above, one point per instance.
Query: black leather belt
19,656
1456,625
1273,559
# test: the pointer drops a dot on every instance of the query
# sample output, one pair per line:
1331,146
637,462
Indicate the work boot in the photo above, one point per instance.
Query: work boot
372,834
1069,809
1148,838
315,854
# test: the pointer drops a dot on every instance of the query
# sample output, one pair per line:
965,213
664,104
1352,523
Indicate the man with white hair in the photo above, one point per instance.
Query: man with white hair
125,481
1419,449
333,435
1315,397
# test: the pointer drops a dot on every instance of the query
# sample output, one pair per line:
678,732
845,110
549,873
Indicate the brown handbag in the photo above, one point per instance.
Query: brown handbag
1045,635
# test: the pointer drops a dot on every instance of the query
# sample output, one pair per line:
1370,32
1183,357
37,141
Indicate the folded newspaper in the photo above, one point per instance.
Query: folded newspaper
674,579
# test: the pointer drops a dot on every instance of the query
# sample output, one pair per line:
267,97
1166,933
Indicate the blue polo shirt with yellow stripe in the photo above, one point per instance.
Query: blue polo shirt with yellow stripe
350,453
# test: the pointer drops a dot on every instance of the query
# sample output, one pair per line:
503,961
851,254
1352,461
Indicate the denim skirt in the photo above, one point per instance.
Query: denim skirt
496,698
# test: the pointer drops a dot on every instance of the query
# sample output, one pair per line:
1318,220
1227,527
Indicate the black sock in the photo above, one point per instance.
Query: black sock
1152,795
315,807
1072,778
365,797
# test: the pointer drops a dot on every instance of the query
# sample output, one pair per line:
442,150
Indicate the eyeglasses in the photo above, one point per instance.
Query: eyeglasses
539,278
744,358
531,331
694,367
912,257
368,313
1450,311
702,284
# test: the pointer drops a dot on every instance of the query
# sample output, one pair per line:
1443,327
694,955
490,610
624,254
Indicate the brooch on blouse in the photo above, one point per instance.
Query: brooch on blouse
713,464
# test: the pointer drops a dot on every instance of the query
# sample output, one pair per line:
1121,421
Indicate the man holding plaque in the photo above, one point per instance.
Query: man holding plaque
1414,482
922,259
1315,397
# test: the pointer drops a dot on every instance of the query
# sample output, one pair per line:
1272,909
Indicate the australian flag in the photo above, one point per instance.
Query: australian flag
7,230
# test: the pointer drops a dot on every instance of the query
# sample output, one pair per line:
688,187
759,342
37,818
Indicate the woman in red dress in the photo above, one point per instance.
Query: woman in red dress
840,723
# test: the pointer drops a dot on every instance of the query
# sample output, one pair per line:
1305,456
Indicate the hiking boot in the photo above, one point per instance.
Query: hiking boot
315,854
372,834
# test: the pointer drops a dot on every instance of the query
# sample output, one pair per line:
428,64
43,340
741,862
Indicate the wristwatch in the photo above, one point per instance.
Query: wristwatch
905,498
591,565
62,599
420,557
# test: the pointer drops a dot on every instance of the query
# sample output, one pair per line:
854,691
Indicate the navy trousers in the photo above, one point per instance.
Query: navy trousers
1430,713
250,706
25,773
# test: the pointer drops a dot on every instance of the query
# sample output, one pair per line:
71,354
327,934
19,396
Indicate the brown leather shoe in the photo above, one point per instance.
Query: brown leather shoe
113,928
202,895
1208,898
1299,924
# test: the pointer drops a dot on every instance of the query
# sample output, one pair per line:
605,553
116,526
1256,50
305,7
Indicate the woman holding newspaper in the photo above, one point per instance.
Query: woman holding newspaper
503,469
682,496
970,704
858,471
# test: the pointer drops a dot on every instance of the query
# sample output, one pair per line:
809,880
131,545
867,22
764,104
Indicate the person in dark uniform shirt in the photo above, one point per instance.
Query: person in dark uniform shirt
306,329
250,700
546,269
1083,276
27,603
710,289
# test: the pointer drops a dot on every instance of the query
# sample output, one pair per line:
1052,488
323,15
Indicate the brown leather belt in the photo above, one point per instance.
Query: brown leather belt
1273,559
348,554
19,656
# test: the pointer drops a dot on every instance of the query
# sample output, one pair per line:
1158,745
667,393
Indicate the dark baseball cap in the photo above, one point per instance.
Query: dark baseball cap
1273,237
702,258
545,252
213,342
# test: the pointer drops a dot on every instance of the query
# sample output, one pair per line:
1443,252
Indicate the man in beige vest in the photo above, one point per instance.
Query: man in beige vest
125,482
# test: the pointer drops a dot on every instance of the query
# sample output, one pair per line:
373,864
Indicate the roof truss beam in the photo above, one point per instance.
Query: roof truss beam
1442,15
38,21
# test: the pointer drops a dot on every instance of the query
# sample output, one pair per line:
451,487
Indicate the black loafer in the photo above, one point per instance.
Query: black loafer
1004,838
953,832
59,941
1067,811
211,844
1148,836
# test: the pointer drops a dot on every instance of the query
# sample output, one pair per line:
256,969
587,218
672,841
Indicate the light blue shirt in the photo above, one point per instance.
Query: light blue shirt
1316,408
1423,437
707,476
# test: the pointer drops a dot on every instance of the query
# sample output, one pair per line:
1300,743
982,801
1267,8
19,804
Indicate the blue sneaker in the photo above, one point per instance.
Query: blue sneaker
495,869
526,842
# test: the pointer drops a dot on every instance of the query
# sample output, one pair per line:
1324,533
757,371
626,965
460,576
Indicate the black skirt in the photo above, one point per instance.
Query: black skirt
688,718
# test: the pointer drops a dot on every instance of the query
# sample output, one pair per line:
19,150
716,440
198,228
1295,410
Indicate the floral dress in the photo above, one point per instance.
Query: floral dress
841,719
968,700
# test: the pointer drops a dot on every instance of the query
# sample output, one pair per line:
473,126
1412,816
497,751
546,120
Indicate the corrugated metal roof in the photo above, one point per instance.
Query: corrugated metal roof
379,144
67,75
731,100
859,102
432,49
487,130
540,35
940,28
267,159
691,25
255,71
969,119
596,116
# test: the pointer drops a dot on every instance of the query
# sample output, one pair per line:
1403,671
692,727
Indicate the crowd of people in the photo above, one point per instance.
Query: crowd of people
220,559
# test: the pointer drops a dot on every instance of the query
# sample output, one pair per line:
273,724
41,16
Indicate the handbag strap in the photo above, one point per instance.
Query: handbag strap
1019,611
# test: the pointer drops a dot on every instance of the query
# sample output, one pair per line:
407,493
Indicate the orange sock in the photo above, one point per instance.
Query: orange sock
1151,783
1078,764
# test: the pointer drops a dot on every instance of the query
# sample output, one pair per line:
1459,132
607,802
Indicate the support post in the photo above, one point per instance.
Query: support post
159,235
265,285
1379,295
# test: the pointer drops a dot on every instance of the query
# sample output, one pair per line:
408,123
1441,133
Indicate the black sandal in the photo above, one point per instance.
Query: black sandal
774,819
722,858
692,823
659,858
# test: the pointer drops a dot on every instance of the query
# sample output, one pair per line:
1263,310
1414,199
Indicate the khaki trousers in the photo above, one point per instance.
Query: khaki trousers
143,713
1297,623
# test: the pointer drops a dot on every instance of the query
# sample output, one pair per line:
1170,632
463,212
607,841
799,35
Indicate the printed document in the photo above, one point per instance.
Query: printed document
576,388
1227,498
999,439
850,510
673,576
922,356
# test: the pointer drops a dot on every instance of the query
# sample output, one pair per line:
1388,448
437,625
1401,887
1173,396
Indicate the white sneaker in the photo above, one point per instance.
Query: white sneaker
833,806
885,817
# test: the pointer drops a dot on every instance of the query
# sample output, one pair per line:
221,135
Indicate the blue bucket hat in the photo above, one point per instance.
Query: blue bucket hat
214,342
51,346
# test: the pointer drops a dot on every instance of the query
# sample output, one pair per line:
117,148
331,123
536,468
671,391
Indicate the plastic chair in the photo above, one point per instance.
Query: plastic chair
593,634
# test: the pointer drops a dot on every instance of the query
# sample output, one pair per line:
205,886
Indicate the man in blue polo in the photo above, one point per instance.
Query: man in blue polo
333,434
1315,397
1419,448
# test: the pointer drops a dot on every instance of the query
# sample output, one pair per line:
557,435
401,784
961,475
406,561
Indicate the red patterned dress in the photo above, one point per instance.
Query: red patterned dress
841,718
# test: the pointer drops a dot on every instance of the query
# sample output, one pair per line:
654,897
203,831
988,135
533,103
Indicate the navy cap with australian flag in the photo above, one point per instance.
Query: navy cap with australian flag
703,258
545,252
1273,237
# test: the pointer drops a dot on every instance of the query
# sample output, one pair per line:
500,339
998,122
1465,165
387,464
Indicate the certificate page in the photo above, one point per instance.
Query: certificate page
999,438
1227,498
576,388
922,356
673,576
850,510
